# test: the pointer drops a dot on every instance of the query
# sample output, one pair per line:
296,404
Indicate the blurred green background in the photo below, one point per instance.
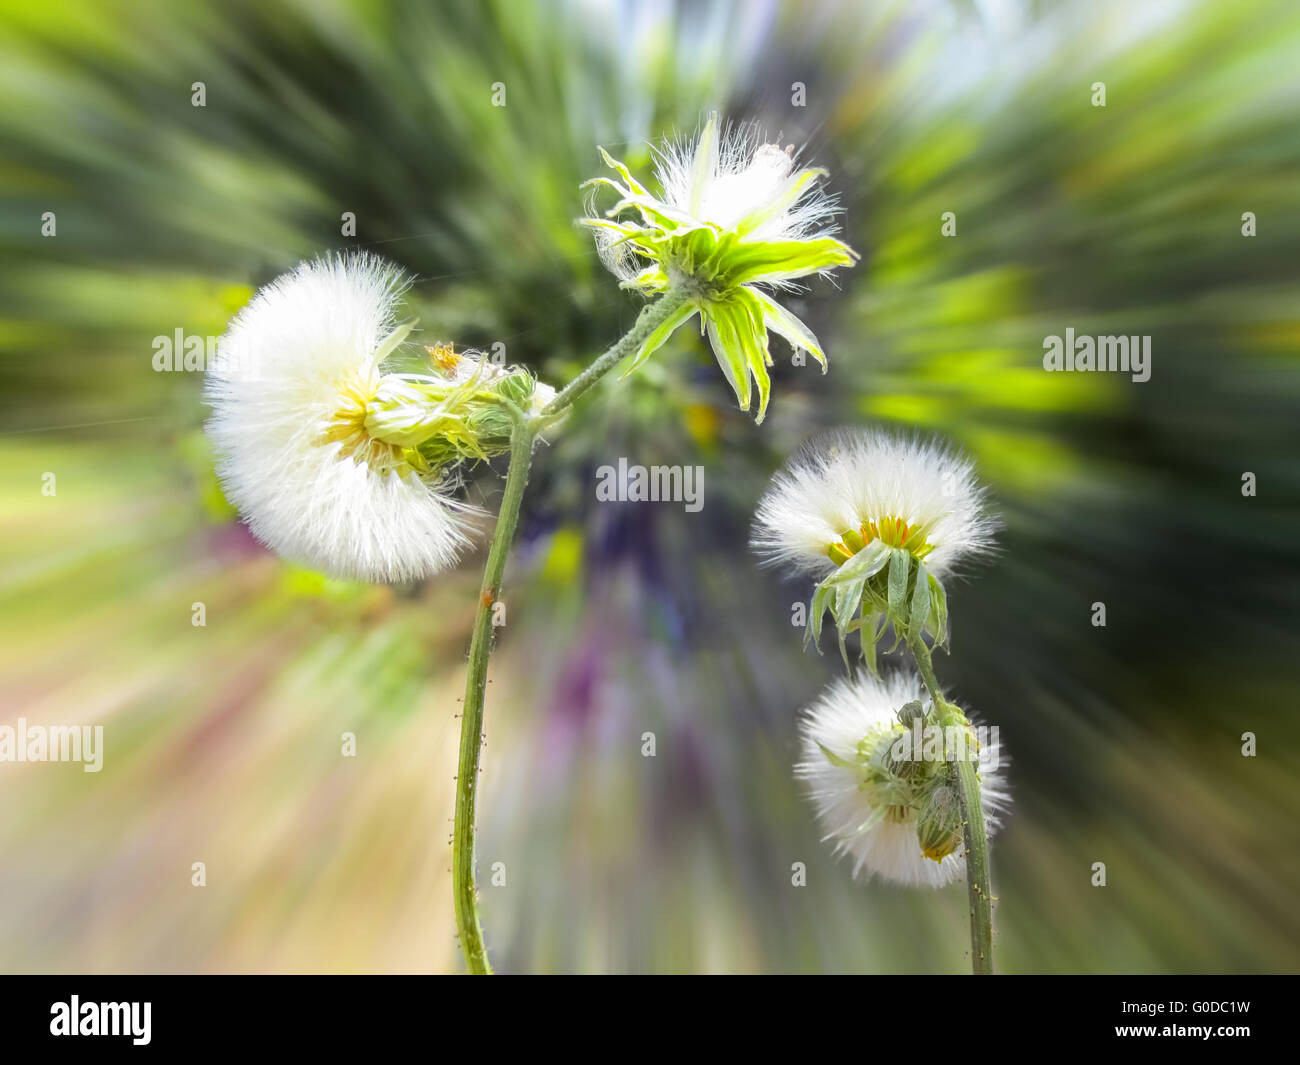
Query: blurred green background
223,742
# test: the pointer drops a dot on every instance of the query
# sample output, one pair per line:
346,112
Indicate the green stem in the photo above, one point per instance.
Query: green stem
522,437
471,727
652,316
967,782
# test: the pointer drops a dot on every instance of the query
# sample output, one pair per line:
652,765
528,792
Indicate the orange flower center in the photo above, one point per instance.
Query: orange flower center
889,530
444,357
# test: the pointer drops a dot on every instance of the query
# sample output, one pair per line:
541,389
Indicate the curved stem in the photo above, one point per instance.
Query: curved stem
967,783
522,437
652,316
464,889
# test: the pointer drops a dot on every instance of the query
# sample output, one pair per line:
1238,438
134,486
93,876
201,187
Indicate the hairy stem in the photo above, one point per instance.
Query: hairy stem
967,783
651,317
464,888
524,434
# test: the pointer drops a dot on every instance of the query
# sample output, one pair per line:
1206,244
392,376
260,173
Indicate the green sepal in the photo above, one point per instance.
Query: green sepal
394,339
706,156
900,565
849,583
842,593
721,327
836,760
938,610
789,326
621,169
812,632
919,616
794,188
752,334
783,260
873,819
870,629
660,334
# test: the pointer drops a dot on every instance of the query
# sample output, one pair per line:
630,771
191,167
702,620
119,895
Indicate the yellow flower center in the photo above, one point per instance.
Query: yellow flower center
889,530
939,851
348,426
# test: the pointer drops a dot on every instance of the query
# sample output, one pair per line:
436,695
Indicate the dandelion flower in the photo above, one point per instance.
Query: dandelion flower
880,811
293,392
735,220
880,520
845,489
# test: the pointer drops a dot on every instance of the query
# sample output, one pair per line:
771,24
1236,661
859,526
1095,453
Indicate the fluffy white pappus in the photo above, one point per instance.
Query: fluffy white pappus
849,710
615,253
735,178
843,479
308,345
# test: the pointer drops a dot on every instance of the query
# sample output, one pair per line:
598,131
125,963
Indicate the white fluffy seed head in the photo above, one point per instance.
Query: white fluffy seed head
306,348
842,480
846,713
730,176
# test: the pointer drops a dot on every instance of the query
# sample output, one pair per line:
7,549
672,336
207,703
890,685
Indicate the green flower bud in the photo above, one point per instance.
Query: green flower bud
911,712
517,387
490,426
898,755
453,414
939,826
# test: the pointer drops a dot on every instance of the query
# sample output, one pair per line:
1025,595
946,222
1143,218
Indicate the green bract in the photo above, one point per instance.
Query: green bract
900,783
877,587
457,412
730,218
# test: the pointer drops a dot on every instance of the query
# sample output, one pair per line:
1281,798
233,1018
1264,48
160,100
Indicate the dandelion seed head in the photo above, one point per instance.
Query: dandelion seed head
295,374
726,179
867,824
844,489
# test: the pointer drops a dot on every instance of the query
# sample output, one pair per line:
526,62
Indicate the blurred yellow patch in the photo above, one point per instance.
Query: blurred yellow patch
1275,337
1025,462
702,422
233,298
564,560
307,583
1002,378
